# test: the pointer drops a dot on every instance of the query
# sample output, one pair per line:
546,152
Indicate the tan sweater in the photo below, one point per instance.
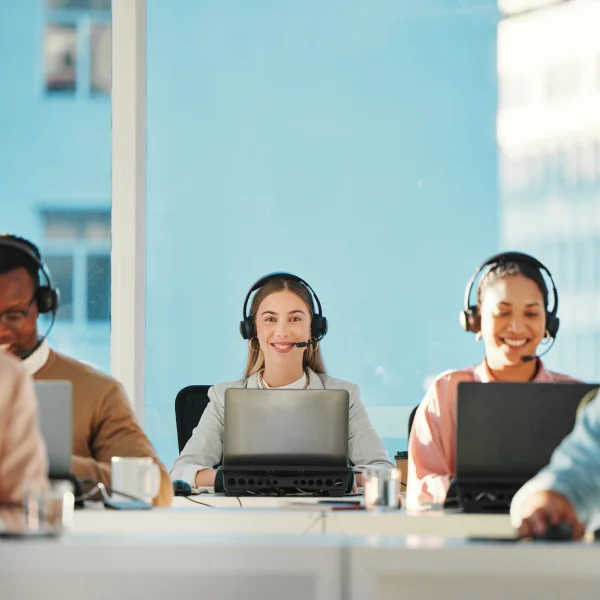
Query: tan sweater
103,423
23,462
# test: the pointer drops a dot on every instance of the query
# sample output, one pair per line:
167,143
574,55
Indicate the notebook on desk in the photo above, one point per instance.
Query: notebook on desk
506,433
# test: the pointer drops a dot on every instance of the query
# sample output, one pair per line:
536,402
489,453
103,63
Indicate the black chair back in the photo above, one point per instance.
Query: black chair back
189,406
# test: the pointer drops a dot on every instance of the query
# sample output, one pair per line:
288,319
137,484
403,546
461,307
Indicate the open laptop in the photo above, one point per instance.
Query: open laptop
55,413
286,427
296,439
506,433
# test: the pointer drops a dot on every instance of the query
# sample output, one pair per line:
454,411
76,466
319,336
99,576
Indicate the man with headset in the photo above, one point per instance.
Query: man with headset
103,422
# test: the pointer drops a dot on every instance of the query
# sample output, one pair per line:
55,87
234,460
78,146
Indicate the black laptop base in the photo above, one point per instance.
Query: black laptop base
325,481
486,497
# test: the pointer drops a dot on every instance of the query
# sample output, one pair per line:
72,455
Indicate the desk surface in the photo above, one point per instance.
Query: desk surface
272,515
296,567
266,548
222,501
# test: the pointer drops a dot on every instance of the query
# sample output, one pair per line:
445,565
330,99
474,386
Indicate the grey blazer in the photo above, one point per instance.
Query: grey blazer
205,448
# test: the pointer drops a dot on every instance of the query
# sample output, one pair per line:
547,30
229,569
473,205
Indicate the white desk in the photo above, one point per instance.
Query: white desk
220,501
294,567
230,521
434,570
400,524
171,567
449,524
254,518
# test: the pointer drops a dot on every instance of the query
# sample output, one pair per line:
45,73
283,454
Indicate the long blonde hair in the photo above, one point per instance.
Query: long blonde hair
312,355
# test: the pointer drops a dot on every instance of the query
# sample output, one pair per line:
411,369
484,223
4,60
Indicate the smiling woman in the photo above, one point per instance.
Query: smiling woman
512,302
512,317
282,313
283,331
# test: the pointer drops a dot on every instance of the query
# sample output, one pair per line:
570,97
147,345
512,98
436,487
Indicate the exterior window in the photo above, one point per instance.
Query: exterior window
514,92
511,8
588,162
60,58
77,47
101,58
61,268
77,252
79,4
563,82
75,224
98,287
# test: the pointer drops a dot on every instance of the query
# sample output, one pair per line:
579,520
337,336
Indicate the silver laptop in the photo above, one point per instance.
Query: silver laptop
55,413
287,428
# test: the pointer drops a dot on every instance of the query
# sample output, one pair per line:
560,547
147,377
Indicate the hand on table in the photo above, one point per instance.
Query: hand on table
542,509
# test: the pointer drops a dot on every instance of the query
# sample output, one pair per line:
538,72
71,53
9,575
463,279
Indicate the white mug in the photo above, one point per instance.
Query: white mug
135,476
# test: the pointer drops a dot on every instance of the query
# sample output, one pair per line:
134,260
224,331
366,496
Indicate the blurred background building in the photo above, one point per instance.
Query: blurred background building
549,143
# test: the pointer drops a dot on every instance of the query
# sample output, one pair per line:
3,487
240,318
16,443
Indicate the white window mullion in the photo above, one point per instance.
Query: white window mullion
128,197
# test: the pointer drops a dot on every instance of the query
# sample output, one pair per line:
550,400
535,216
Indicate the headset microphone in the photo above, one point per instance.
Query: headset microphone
531,357
313,342
40,341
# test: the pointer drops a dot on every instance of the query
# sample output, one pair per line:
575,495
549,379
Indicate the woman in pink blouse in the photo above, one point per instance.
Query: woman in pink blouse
512,317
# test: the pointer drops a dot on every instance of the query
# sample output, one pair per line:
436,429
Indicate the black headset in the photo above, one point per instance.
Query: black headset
47,297
469,317
318,326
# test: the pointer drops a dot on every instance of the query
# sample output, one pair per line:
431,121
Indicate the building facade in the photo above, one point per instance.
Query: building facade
548,132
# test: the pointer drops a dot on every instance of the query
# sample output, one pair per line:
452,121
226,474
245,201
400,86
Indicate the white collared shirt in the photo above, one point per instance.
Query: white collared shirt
295,385
34,362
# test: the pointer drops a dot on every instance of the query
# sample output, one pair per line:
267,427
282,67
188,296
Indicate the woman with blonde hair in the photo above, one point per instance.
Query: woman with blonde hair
284,332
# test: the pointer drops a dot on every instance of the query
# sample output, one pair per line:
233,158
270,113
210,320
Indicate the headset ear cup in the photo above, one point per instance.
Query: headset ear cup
324,326
470,320
54,300
318,327
475,323
247,328
46,300
552,324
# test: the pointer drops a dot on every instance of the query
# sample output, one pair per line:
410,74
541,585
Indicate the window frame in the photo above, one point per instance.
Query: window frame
128,218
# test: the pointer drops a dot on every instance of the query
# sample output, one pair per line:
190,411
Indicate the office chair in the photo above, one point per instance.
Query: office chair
189,406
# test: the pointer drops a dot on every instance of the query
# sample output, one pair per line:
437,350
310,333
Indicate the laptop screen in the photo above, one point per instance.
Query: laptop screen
55,402
286,428
508,431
